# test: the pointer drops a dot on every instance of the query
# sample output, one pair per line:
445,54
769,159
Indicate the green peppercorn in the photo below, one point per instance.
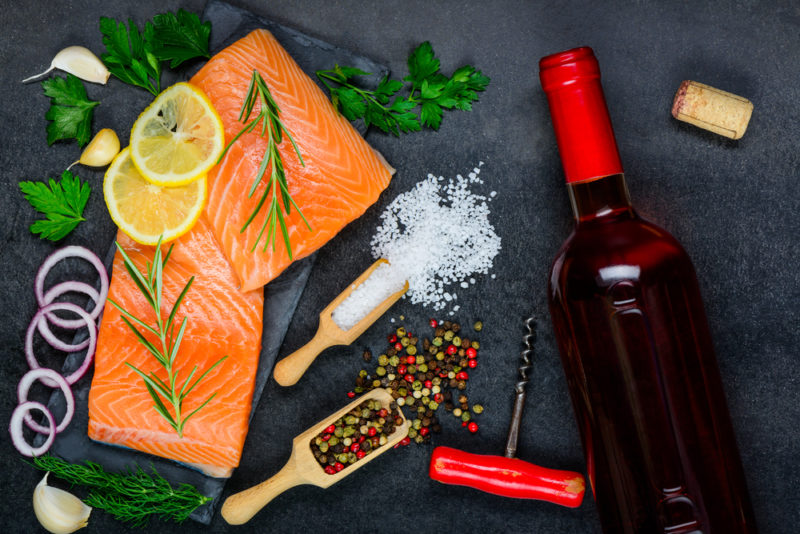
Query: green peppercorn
477,408
323,447
448,336
380,371
415,424
376,383
404,342
338,432
411,369
456,341
349,431
411,349
440,355
457,412
418,440
466,416
476,345
394,361
363,373
422,368
412,433
358,389
401,332
433,405
437,341
421,409
403,392
333,441
383,360
417,385
478,326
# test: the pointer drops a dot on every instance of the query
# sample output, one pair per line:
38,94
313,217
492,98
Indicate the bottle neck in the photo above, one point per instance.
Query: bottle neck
600,199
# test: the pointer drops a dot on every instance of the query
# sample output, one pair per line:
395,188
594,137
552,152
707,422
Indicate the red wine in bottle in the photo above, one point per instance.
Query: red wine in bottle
660,450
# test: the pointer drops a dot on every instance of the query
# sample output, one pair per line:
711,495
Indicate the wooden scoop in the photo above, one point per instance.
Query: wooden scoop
289,370
303,468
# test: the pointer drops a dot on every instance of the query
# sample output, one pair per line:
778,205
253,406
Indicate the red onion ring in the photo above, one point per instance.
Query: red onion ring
57,256
22,396
58,344
15,429
56,291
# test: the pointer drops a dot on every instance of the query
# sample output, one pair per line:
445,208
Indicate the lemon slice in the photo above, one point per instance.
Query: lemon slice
178,138
147,211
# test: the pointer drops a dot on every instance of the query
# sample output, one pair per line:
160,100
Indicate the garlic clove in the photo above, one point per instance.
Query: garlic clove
100,150
59,511
79,61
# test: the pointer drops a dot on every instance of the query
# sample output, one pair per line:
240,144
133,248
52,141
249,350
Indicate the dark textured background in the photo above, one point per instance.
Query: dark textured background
732,204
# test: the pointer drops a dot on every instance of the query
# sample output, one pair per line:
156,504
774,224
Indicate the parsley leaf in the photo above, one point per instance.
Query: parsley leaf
429,90
178,37
62,203
128,56
70,110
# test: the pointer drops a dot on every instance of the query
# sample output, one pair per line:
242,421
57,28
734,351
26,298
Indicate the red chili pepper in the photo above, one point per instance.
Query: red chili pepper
508,477
434,323
472,427
473,363
411,360
471,352
452,349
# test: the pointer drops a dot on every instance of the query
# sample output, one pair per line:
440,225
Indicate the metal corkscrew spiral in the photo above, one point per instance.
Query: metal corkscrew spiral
524,369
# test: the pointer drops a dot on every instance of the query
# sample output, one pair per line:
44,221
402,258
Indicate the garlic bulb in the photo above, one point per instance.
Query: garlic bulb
79,61
100,150
58,511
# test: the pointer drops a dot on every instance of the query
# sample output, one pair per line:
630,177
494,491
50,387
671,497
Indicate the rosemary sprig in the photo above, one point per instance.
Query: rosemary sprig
150,284
132,496
273,129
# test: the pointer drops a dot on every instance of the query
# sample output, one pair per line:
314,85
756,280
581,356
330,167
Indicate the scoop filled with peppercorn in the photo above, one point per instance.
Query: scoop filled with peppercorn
305,467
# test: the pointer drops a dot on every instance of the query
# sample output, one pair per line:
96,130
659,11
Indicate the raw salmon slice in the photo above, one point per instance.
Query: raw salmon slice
222,321
342,176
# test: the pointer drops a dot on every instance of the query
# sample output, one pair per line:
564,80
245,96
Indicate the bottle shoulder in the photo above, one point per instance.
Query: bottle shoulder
603,253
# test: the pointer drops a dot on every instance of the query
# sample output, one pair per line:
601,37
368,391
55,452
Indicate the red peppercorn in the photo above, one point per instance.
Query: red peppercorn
330,429
401,369
409,379
463,423
473,363
471,352
326,437
346,449
398,346
371,432
361,439
330,470
351,394
424,431
383,412
392,338
428,384
434,323
360,454
338,466
409,334
355,447
411,360
452,349
438,397
443,375
405,441
376,442
462,375
472,427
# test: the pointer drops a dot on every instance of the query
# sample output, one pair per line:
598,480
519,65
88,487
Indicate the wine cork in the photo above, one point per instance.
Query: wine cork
712,109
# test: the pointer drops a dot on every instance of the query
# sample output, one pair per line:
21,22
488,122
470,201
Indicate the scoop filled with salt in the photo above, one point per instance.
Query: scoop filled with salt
346,317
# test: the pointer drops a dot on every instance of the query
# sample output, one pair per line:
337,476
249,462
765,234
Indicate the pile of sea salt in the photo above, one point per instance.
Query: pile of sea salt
436,236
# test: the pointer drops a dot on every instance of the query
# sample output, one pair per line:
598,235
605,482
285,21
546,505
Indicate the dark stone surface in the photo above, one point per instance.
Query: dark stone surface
733,205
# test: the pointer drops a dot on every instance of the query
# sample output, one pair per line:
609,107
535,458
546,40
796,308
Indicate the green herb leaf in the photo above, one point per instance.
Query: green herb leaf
128,56
168,401
70,110
179,37
273,129
61,202
429,90
132,496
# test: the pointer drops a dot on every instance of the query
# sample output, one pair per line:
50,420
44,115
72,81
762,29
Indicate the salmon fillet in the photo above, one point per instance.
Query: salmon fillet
342,176
222,320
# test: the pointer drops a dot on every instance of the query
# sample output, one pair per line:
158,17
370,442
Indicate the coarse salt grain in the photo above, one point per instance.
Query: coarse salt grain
436,235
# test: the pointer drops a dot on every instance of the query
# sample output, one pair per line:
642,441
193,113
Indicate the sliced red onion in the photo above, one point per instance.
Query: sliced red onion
57,256
68,287
60,345
15,428
22,396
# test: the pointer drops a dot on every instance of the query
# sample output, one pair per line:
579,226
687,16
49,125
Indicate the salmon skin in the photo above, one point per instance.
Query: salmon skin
342,176
222,320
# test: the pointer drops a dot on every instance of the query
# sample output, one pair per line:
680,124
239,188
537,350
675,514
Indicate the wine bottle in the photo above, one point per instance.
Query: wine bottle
660,449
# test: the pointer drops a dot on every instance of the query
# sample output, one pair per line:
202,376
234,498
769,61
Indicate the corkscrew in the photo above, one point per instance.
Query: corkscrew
524,369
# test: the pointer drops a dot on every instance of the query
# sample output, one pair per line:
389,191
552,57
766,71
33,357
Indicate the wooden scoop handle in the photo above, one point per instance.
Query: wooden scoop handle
289,370
241,507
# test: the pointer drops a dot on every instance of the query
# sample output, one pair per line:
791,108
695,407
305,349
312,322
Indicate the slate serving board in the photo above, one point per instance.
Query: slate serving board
281,296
